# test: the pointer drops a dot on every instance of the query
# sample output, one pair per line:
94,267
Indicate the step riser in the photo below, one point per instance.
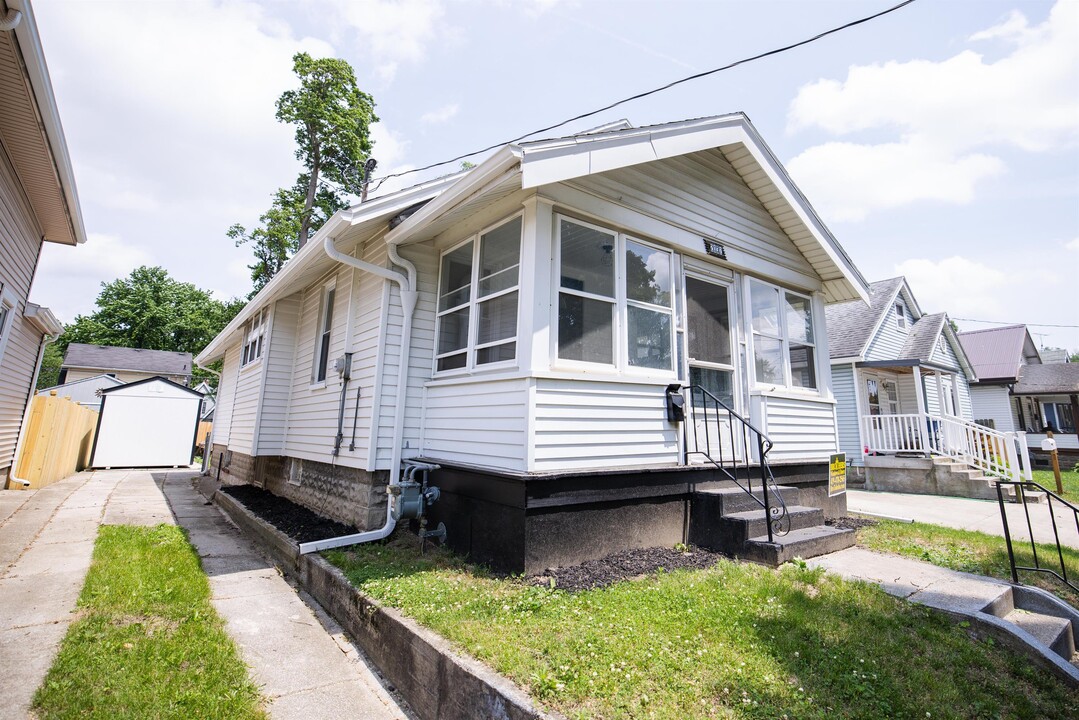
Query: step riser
737,500
737,531
774,554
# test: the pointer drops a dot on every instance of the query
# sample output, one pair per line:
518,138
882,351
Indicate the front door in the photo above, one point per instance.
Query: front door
711,369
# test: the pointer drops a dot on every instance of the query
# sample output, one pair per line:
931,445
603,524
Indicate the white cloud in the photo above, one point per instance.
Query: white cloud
69,279
393,32
1072,244
941,113
959,286
114,192
389,149
440,115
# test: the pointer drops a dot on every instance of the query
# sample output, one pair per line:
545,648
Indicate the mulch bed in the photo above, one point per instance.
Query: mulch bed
623,566
294,520
851,523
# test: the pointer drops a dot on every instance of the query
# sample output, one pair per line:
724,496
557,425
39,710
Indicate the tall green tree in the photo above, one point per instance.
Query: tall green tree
332,117
150,310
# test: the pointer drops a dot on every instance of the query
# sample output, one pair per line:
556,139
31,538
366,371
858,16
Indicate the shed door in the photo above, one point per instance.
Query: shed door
711,367
145,430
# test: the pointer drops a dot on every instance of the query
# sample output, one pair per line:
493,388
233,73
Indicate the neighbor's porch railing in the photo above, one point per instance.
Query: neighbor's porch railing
1002,454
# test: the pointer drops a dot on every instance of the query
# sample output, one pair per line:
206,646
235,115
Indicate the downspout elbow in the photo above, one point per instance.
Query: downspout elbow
10,20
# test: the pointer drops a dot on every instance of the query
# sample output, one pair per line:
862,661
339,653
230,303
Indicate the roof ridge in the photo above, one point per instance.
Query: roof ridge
1002,327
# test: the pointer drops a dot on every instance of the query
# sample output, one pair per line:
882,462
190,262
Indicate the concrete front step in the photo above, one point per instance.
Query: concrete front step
1053,632
732,499
737,528
803,543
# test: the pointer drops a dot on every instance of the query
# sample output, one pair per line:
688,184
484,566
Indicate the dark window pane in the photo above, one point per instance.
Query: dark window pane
453,331
648,274
708,320
497,318
587,259
585,329
803,371
717,382
768,360
649,338
496,353
456,282
323,356
452,362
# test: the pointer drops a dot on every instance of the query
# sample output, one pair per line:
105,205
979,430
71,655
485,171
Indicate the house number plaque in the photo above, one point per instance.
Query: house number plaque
715,249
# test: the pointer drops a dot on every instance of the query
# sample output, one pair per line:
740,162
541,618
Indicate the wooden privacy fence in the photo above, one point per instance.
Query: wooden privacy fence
59,438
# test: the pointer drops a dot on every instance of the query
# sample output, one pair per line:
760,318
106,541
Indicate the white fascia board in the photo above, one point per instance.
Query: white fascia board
43,319
373,210
912,303
460,190
34,59
846,360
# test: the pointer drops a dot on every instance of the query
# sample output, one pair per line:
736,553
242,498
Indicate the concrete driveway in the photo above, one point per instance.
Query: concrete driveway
967,514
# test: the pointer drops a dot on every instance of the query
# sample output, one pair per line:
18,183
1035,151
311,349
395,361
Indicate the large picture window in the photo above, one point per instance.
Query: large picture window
478,299
784,344
607,281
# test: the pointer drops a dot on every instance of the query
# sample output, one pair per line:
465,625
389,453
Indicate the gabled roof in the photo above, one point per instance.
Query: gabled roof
997,353
853,324
104,357
922,337
102,378
1055,379
31,131
1053,355
145,381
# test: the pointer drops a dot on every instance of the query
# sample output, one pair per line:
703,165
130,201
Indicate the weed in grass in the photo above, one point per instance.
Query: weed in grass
147,643
738,641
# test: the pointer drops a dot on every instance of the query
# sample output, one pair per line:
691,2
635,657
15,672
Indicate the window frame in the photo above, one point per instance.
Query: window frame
254,339
619,303
8,304
472,347
784,338
325,317
900,311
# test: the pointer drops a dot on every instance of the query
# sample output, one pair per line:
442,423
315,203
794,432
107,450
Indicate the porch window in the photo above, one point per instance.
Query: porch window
607,281
1065,420
783,336
322,348
255,331
480,327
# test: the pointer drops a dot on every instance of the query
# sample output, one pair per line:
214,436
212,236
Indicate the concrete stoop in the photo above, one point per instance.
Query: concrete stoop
935,476
727,519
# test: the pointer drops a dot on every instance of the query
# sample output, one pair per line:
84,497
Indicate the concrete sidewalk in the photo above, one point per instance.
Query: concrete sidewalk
968,514
304,665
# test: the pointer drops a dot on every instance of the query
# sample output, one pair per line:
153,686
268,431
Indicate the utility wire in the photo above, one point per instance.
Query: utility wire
669,85
998,322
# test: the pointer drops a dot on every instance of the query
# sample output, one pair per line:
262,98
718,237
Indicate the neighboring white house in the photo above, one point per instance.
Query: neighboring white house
86,391
894,369
38,204
552,294
126,364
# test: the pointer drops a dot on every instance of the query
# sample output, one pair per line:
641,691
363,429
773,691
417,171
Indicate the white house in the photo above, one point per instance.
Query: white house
519,324
82,360
85,391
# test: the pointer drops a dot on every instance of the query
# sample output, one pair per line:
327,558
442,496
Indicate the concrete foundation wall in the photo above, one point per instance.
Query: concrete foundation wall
924,476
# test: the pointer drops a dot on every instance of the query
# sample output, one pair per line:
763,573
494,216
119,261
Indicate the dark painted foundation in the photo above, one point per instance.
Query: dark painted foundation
526,523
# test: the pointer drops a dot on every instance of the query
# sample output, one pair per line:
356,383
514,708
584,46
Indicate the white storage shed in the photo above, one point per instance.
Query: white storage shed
147,423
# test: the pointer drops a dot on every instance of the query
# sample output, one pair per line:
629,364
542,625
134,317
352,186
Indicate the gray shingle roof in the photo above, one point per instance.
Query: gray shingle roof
851,323
996,353
1054,379
923,337
103,357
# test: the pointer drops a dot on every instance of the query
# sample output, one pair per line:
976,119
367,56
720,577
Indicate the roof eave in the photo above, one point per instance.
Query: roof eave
43,319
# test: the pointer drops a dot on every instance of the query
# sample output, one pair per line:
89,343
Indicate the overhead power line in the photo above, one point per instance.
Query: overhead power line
668,86
999,322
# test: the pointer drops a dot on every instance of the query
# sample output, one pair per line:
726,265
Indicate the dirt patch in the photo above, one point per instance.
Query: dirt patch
625,565
851,523
293,520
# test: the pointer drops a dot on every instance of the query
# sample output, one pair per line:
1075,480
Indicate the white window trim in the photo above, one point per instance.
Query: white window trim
472,348
900,312
320,330
786,388
254,332
8,303
620,304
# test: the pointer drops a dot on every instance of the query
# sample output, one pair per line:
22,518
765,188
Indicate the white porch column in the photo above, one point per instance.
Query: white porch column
956,409
940,392
919,394
537,253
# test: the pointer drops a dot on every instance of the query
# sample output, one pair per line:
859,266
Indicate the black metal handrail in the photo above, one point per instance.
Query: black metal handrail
1020,486
736,464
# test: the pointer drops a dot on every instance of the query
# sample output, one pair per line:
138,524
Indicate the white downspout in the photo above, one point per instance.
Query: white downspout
10,20
409,297
12,478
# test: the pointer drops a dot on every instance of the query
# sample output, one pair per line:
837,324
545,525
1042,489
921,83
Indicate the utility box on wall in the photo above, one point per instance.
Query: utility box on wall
148,423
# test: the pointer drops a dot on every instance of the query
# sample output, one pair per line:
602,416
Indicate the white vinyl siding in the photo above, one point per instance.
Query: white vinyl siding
843,387
226,396
586,424
802,430
19,246
481,423
992,402
277,367
888,342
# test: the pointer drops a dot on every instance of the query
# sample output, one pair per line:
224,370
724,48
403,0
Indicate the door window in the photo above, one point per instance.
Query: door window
872,388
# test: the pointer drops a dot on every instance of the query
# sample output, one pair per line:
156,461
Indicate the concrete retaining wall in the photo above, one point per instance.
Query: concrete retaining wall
437,682
923,476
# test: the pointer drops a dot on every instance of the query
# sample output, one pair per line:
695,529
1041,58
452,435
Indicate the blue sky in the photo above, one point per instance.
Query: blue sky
940,142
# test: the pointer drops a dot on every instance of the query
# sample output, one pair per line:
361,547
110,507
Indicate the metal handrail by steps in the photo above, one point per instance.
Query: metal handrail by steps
734,461
1020,486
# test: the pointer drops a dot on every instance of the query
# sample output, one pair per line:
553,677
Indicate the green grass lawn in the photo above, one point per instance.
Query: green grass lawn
147,643
1069,480
736,641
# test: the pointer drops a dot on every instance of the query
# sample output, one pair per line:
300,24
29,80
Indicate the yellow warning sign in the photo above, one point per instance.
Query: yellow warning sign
837,474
